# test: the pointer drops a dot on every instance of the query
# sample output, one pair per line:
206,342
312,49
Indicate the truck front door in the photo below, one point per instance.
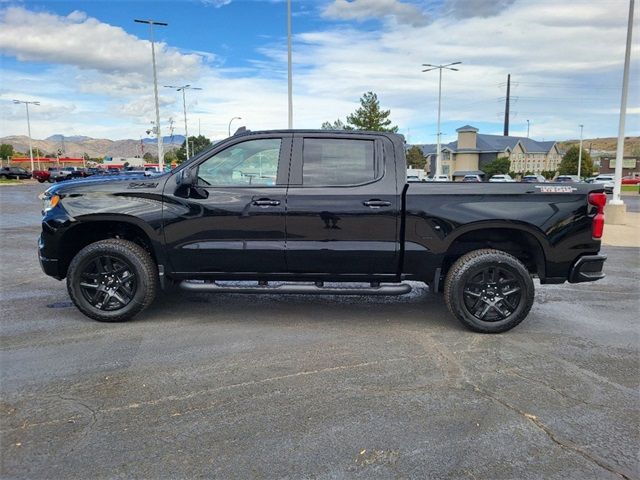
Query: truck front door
233,219
343,210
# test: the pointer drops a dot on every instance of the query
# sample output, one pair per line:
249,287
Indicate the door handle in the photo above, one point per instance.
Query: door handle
265,202
376,203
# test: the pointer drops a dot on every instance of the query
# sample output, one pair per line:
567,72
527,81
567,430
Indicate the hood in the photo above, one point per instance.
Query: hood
107,184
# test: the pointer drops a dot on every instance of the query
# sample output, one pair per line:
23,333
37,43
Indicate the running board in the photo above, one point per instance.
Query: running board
316,289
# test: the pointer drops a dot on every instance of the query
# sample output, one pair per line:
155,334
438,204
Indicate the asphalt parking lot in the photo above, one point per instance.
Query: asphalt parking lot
230,386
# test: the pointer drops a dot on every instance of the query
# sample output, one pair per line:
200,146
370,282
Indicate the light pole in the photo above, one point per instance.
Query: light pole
580,152
439,68
26,104
623,112
527,128
234,118
289,69
151,23
184,108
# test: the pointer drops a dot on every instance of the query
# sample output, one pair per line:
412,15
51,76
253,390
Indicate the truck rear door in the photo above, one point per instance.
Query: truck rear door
343,210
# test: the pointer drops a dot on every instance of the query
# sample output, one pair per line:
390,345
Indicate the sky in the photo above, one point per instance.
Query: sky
89,64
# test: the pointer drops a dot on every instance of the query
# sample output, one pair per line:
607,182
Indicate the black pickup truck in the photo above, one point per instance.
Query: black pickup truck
287,211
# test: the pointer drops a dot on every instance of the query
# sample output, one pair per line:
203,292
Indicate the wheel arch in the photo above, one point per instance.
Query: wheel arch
90,229
524,242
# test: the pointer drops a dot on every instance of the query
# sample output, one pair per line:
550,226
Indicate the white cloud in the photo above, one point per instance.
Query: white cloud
360,10
84,43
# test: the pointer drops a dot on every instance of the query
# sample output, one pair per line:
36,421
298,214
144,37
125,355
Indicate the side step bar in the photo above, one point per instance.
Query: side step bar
317,289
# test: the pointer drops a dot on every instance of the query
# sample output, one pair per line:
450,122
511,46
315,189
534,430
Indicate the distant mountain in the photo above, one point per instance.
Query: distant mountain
94,147
166,140
73,138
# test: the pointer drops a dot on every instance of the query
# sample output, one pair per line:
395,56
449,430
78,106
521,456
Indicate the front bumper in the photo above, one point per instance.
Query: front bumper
587,269
50,266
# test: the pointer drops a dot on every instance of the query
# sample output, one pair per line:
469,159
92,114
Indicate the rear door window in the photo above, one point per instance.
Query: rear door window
339,162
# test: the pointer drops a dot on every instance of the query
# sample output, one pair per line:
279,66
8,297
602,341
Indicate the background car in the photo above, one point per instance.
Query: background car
630,180
439,178
567,179
607,181
471,179
533,179
58,175
501,178
14,172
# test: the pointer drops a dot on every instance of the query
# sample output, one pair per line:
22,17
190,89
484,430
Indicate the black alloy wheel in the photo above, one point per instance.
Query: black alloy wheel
489,291
112,280
108,283
493,293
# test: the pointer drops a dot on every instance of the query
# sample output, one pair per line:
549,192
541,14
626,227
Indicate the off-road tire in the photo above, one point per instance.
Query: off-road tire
142,264
465,268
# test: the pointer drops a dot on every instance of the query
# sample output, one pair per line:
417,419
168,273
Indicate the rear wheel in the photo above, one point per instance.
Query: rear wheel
112,280
489,291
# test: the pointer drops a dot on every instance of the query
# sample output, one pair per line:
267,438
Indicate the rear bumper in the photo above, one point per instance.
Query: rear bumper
587,269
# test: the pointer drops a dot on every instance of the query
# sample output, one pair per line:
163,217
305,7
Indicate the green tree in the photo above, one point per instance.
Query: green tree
548,174
337,125
370,117
196,145
6,151
415,157
148,157
569,163
170,157
499,166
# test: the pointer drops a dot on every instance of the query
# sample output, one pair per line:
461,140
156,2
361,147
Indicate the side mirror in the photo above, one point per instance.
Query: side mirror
187,177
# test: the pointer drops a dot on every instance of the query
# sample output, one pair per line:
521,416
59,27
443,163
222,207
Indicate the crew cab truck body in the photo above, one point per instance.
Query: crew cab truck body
315,207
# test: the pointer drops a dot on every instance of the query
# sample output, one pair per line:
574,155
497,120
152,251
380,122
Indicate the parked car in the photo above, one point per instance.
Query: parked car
501,178
608,181
76,172
59,174
340,210
93,171
14,172
471,179
440,178
410,178
567,179
534,179
41,175
630,180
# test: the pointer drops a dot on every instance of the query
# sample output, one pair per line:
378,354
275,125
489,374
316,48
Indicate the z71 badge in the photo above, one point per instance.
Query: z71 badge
556,188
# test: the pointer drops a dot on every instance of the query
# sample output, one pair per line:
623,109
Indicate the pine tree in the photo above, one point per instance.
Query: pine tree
370,117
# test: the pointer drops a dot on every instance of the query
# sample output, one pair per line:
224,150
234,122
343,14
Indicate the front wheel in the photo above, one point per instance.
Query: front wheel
489,291
112,280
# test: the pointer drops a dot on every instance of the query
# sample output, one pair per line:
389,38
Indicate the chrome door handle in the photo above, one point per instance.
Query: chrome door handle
265,202
376,203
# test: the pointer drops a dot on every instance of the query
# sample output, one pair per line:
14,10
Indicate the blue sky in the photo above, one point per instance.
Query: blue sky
88,64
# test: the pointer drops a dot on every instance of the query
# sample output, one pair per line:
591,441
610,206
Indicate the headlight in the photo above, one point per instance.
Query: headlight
49,202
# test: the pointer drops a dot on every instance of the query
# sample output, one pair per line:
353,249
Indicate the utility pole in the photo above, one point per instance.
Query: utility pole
527,128
506,107
26,104
580,152
184,108
440,68
623,112
289,69
151,23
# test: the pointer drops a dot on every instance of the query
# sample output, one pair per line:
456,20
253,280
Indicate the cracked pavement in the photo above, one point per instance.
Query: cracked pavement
234,386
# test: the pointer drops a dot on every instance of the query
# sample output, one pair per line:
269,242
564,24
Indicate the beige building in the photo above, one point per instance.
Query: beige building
473,150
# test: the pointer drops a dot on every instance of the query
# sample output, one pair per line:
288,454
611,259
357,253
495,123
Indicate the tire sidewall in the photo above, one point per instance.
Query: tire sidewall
83,259
471,269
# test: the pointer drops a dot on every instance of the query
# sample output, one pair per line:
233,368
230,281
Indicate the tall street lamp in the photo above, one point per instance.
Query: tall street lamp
617,185
26,104
439,68
151,23
184,108
580,152
234,118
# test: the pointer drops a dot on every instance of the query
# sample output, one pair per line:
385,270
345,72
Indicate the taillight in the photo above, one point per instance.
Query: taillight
598,200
